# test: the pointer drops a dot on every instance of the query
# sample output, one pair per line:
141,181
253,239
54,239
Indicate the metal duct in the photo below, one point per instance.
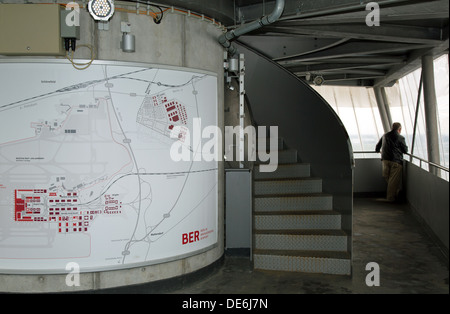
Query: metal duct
225,39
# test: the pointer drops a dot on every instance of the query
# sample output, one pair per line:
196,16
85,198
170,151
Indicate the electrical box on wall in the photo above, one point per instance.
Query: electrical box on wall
30,29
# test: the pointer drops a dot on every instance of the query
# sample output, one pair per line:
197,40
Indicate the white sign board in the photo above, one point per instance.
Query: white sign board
86,174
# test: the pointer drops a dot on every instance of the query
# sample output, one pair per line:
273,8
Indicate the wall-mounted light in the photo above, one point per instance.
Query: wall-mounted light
101,10
128,43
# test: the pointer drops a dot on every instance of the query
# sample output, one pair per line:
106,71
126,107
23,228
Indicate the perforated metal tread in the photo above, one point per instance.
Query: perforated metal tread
288,179
293,195
294,170
331,232
298,213
305,253
298,220
292,202
295,227
324,262
325,240
288,186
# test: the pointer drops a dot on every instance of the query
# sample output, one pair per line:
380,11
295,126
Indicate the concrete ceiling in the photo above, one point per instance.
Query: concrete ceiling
330,38
322,38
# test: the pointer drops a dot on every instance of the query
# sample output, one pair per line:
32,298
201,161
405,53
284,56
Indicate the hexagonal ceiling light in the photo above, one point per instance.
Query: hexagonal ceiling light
101,10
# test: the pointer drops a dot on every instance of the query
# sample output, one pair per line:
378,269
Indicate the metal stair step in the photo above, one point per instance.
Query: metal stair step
297,220
324,262
287,186
297,170
302,232
312,240
295,227
310,201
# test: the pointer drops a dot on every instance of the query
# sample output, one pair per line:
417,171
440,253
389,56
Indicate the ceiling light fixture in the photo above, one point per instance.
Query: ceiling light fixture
101,10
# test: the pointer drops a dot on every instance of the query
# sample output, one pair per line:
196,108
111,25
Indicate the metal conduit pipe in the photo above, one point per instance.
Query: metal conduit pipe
225,39
344,9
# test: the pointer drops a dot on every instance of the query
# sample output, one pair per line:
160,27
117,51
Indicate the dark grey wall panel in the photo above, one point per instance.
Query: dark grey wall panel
238,212
367,177
428,197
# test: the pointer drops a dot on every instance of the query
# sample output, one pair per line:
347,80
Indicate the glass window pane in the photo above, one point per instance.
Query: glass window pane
441,72
358,111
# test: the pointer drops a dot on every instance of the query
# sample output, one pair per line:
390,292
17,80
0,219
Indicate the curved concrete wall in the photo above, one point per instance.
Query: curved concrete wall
178,41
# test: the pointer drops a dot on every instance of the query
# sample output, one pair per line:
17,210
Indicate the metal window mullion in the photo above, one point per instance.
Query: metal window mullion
356,119
419,96
373,114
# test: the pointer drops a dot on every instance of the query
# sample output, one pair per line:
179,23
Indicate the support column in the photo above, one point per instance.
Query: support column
382,108
430,107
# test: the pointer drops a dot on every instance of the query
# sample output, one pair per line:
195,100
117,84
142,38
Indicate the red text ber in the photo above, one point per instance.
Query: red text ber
190,237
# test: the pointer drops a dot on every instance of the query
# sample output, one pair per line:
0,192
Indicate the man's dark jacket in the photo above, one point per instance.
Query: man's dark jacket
392,146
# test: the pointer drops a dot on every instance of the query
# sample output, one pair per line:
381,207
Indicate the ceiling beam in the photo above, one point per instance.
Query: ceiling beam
280,47
368,83
413,63
355,49
343,68
414,11
303,9
369,60
348,77
385,32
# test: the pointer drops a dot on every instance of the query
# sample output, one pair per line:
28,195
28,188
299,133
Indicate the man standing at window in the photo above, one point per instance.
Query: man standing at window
392,146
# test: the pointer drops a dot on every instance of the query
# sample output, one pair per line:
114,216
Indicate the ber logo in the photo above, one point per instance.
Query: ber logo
190,237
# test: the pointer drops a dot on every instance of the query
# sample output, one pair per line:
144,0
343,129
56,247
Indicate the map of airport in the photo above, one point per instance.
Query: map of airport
85,170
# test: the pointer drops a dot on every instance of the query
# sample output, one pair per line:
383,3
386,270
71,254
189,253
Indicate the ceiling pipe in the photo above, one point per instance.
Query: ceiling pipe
225,39
344,9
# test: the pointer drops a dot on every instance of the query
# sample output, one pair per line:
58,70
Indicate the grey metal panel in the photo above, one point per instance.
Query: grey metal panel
308,264
294,203
312,242
368,178
238,215
429,198
303,221
300,186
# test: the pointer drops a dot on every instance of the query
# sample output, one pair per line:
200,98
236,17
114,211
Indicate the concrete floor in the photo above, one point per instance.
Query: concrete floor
388,234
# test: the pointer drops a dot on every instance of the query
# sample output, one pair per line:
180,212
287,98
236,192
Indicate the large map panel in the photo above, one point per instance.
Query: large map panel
86,174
